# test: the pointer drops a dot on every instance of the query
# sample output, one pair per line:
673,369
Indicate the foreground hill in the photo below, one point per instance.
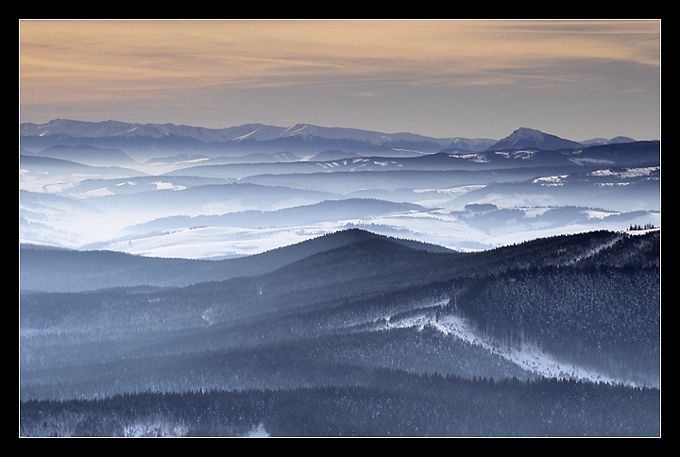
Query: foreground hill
352,320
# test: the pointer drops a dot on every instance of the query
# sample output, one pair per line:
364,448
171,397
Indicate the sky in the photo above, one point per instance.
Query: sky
577,79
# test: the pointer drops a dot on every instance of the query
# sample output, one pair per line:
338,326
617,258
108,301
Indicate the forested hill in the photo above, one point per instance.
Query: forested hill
413,340
50,269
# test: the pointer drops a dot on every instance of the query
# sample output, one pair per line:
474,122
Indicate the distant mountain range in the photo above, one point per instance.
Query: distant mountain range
138,139
241,133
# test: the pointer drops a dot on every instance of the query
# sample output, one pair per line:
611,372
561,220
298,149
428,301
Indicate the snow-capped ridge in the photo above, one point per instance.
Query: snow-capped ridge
239,133
522,137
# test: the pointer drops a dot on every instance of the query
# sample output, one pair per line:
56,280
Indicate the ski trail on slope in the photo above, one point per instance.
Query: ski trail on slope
527,356
595,250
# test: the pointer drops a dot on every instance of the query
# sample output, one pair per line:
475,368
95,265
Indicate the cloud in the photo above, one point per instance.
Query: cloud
210,63
365,93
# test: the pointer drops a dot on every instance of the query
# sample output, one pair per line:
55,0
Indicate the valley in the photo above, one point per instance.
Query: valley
141,207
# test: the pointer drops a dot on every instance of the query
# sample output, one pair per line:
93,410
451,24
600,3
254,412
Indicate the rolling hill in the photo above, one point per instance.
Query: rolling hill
354,310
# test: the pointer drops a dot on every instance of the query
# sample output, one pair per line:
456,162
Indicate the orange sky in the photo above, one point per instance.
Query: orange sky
206,72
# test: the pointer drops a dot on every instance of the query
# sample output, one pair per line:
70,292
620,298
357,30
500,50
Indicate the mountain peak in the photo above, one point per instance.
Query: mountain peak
525,137
527,132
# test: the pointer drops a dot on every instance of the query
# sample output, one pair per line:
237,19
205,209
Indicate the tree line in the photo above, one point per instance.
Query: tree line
399,404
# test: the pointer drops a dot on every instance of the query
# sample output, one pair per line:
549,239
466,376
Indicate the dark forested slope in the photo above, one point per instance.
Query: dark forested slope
405,405
48,269
358,314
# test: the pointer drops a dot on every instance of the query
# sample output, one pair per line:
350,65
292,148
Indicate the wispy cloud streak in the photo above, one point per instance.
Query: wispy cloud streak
72,60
